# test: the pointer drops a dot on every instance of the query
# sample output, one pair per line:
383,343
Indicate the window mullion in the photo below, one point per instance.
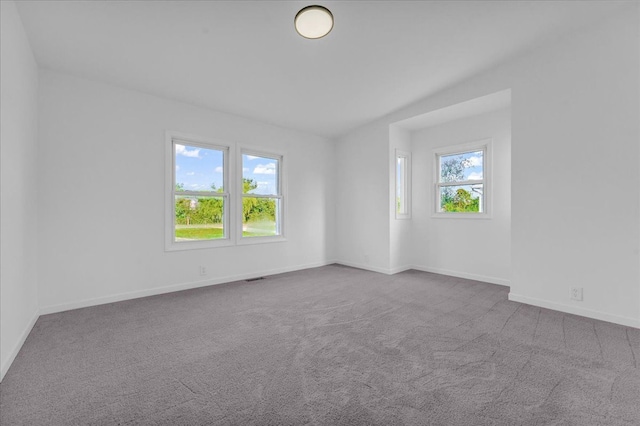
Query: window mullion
461,183
200,194
261,196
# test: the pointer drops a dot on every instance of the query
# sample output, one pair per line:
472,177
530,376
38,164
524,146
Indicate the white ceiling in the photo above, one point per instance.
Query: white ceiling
484,104
244,57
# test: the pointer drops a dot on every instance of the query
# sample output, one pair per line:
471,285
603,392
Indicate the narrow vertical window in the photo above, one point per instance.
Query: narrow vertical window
200,193
262,199
403,185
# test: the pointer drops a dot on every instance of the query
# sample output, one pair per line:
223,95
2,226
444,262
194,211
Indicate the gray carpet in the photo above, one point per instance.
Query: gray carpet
325,346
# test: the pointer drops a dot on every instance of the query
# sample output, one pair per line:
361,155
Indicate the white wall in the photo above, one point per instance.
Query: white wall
575,111
400,250
576,213
362,197
471,248
102,183
18,213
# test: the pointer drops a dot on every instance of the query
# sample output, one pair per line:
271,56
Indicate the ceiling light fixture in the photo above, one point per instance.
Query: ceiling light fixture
313,22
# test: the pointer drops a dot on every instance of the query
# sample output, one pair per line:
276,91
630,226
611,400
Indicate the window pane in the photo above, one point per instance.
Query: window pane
461,167
198,169
463,198
260,217
199,218
401,184
260,175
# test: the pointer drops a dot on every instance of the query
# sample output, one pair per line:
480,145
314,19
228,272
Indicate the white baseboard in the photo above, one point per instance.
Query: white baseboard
396,270
576,310
51,309
399,269
366,267
476,277
16,348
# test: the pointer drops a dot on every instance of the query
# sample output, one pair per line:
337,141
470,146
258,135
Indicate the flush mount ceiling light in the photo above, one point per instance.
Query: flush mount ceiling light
313,22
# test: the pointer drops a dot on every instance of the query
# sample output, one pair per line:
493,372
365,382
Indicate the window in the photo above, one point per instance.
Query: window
262,200
218,194
461,187
403,185
199,192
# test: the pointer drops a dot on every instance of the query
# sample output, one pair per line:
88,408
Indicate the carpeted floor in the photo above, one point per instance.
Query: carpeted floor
325,346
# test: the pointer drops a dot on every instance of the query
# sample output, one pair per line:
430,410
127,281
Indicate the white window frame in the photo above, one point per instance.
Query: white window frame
191,140
483,145
405,191
281,196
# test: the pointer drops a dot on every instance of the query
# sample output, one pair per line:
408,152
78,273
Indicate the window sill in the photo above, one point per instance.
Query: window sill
472,216
260,240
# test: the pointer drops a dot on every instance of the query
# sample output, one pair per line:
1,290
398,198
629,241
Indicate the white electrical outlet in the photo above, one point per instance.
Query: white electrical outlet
203,270
576,293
